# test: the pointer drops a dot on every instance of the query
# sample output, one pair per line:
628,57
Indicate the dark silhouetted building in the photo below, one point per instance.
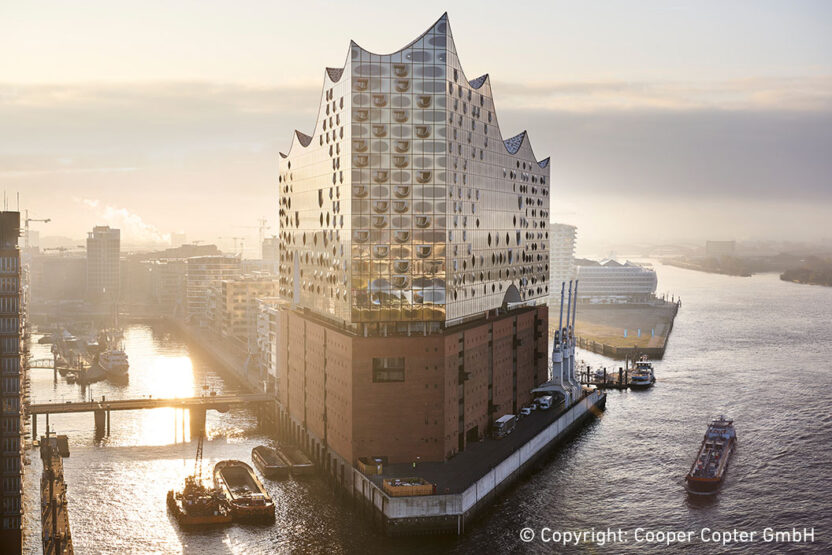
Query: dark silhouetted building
11,410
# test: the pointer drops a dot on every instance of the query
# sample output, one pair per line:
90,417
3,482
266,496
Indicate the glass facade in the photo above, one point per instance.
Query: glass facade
406,207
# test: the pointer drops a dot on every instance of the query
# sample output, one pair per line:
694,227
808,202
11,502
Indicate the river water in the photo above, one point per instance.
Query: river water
757,349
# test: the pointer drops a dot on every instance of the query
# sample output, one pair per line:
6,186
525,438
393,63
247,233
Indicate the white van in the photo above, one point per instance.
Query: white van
545,402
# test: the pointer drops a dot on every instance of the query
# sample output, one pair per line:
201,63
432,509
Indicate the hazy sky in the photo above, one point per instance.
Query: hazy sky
665,120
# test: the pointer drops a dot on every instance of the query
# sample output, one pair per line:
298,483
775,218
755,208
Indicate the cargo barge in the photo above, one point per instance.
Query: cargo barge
245,494
301,464
708,470
270,462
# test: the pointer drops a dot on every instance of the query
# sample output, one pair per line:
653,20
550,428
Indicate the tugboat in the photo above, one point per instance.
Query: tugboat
708,470
196,504
270,462
245,494
642,375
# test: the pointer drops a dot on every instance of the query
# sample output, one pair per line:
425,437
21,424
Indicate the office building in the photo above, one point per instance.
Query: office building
270,253
611,281
103,276
168,283
268,346
11,381
203,273
414,257
561,258
235,307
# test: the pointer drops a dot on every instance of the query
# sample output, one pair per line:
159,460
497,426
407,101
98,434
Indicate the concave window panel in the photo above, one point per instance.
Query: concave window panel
401,236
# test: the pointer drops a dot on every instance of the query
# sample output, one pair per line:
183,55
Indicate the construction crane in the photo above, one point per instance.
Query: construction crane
26,221
236,239
261,228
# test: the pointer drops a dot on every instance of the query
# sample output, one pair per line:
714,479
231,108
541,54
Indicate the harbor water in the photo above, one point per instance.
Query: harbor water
756,349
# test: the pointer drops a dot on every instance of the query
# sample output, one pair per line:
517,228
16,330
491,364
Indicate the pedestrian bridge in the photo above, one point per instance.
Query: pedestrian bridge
204,402
197,406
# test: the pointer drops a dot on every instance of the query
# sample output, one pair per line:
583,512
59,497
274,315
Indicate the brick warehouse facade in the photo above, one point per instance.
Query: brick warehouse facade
424,398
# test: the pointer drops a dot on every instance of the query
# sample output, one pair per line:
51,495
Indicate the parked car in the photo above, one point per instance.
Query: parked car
525,411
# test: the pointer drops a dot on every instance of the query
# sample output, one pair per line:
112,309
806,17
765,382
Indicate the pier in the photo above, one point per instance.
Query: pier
616,379
469,482
102,408
55,535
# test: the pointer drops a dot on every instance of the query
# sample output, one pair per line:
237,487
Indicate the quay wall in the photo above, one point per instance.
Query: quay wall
450,513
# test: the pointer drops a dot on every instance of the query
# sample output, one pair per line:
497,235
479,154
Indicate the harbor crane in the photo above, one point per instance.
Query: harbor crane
261,229
26,222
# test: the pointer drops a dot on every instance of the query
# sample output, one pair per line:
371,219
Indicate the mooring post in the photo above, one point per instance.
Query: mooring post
108,422
100,422
197,422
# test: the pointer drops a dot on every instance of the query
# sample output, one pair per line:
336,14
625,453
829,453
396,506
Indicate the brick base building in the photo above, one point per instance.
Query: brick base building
417,398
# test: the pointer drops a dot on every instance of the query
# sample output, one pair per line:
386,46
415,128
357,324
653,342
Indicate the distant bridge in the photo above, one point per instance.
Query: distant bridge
42,363
103,407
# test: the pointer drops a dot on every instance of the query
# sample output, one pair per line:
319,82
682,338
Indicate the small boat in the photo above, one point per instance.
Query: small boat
197,505
248,499
301,464
114,362
270,462
642,376
708,470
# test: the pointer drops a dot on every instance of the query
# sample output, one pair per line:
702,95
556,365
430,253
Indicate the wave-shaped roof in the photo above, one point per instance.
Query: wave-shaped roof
303,138
335,73
478,82
441,26
513,144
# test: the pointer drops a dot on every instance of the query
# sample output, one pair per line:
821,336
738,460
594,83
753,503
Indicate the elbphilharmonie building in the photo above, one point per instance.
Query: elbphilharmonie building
405,209
414,261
